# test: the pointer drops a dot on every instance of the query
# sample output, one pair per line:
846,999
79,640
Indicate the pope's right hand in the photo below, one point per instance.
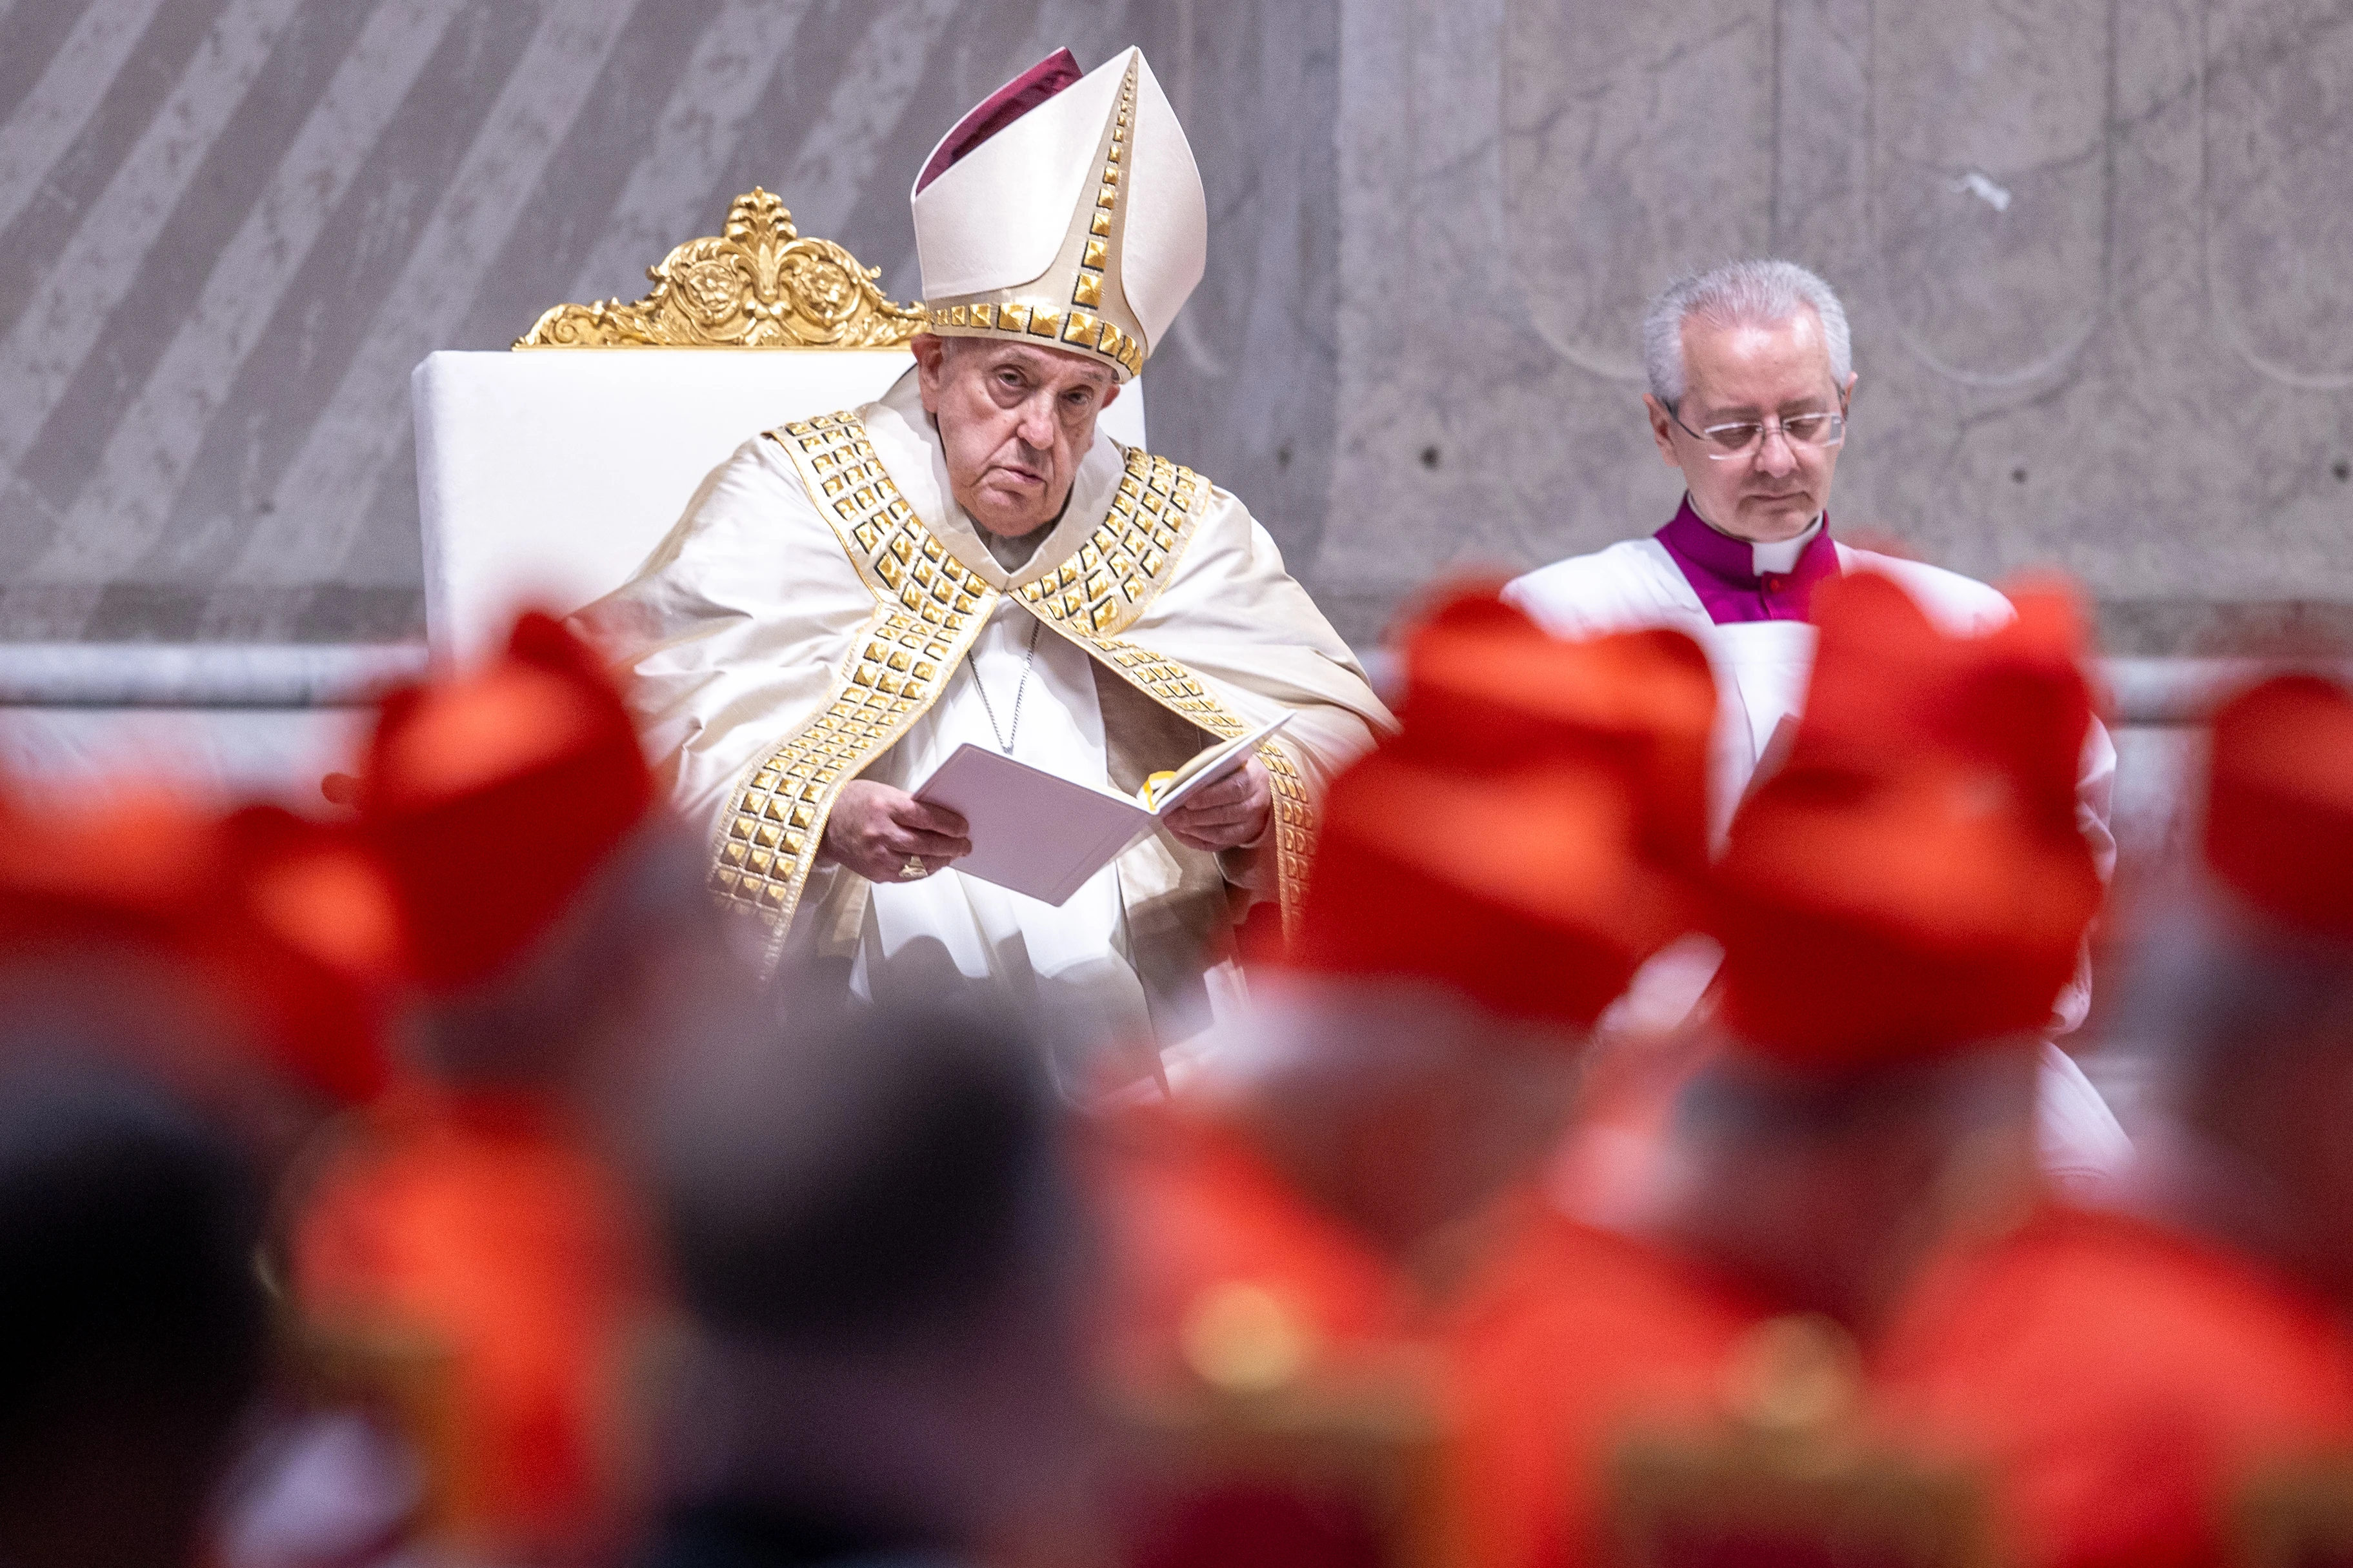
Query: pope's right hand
876,831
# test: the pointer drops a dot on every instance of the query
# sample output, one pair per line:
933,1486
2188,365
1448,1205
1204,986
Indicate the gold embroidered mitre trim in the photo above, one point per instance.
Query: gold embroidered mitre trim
929,608
1077,304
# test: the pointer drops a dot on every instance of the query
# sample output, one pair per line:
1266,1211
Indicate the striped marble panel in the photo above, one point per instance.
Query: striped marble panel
228,228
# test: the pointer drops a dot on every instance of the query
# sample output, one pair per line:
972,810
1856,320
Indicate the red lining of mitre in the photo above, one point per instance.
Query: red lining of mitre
1000,109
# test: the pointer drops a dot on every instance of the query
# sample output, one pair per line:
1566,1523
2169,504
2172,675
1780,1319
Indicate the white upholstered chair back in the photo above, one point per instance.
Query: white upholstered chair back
545,479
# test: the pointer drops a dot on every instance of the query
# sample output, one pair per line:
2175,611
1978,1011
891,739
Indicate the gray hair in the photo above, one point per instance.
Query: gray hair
1758,292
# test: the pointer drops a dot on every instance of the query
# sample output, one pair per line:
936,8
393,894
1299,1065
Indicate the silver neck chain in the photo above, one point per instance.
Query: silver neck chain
1004,738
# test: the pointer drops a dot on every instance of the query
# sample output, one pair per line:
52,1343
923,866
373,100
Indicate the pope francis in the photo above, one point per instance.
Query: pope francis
967,561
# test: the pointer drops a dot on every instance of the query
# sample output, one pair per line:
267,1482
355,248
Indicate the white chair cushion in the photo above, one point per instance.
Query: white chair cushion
546,478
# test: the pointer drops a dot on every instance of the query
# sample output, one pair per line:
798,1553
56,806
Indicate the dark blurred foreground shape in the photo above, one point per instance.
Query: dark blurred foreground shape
188,993
417,1028
873,1224
133,1329
184,993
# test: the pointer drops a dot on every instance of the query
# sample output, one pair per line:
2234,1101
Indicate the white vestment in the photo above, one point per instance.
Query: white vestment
1761,668
921,939
744,638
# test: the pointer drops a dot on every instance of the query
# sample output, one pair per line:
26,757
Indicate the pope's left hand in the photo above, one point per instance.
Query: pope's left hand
1227,815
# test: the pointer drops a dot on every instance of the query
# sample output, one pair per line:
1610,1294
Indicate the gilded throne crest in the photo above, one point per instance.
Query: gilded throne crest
759,284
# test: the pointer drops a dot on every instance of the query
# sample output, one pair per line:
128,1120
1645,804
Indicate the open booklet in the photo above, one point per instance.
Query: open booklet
1040,833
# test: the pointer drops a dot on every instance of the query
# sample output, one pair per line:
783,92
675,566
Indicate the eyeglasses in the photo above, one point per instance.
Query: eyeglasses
1819,431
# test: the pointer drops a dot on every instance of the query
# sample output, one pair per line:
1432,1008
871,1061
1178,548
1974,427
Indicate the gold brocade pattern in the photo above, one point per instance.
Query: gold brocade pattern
1174,687
759,285
1103,587
929,608
1100,590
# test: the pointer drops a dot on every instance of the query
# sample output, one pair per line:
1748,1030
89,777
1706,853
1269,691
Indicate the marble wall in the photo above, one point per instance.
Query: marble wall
228,228
2090,250
2093,253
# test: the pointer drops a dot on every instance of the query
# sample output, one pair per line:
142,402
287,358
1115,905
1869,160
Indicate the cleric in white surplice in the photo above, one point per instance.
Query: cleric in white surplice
1751,378
967,561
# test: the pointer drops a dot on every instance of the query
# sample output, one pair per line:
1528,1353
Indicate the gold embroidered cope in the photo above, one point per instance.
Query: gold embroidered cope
928,610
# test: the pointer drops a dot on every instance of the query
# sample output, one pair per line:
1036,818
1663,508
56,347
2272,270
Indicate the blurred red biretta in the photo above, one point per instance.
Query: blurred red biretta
309,928
1913,880
1525,839
494,797
2279,809
290,925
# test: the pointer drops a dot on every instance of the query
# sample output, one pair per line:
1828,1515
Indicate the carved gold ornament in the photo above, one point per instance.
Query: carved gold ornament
759,285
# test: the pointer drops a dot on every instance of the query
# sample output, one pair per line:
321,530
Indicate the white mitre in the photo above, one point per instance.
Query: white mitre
1065,207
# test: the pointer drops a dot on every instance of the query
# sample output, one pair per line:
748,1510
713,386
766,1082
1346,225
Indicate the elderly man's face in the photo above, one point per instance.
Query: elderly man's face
1749,374
1015,420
